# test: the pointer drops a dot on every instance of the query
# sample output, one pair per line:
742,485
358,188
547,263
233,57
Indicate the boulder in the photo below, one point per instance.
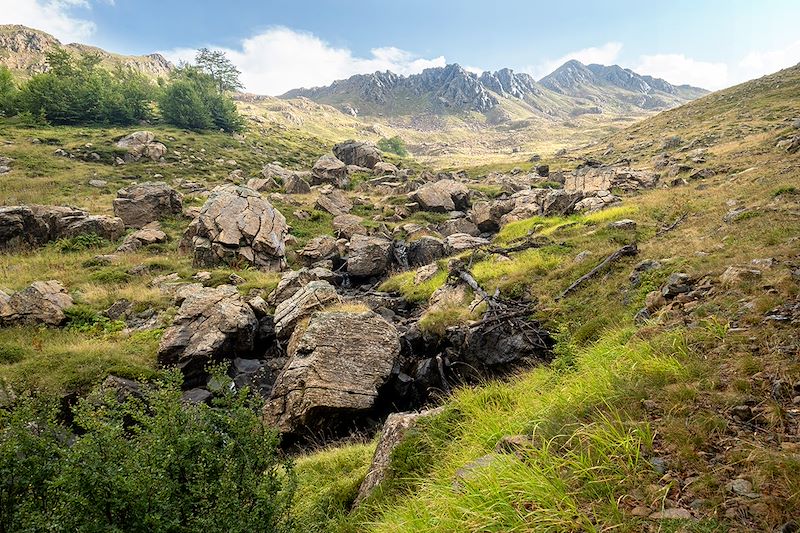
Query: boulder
314,296
37,225
273,171
394,430
318,249
362,154
425,250
368,256
262,184
142,144
458,242
238,224
442,196
336,366
329,170
294,280
42,302
294,184
149,234
458,225
211,324
488,346
606,178
383,168
146,202
735,275
346,226
600,200
334,202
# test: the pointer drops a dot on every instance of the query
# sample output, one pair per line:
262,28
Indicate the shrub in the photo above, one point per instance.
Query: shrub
149,464
79,243
192,101
393,145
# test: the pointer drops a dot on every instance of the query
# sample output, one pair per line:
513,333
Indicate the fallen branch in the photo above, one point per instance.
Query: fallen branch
628,249
672,226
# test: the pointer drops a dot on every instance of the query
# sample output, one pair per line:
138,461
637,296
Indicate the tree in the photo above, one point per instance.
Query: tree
8,91
217,65
192,100
393,145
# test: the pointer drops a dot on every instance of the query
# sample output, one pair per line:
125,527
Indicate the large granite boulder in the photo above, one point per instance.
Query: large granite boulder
336,366
442,196
294,280
142,144
346,226
147,202
606,178
320,248
212,324
36,225
42,302
368,256
149,234
362,154
313,296
333,201
295,184
329,170
238,224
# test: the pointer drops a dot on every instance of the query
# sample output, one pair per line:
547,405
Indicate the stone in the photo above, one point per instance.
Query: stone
294,280
146,202
330,170
458,225
654,301
677,283
643,266
238,224
196,396
489,346
600,200
318,249
674,513
149,234
315,295
36,225
442,196
624,224
336,366
458,242
735,275
346,226
42,302
212,324
98,184
362,154
543,171
368,256
294,184
260,184
383,168
394,430
425,250
606,178
334,202
142,144
425,273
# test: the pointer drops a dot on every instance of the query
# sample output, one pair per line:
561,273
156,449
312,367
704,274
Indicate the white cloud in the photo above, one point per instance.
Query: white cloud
604,55
758,63
679,69
474,70
281,59
56,17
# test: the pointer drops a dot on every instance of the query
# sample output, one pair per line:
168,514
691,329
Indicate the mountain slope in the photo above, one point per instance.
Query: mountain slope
571,90
24,50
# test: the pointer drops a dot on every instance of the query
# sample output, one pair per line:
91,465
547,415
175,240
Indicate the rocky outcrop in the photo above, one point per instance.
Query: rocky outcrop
294,184
43,302
211,324
313,296
336,366
606,178
395,429
147,202
346,226
600,200
237,224
329,170
318,249
149,234
442,196
368,256
362,154
294,280
36,225
458,242
384,168
425,250
142,145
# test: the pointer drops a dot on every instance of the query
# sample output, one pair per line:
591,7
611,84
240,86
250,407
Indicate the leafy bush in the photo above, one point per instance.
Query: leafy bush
7,92
82,318
79,243
142,464
393,145
192,101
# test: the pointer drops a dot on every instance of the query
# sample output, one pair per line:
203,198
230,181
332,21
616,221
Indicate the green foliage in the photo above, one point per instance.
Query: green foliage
8,91
192,101
393,145
79,92
220,68
79,243
411,291
82,318
149,464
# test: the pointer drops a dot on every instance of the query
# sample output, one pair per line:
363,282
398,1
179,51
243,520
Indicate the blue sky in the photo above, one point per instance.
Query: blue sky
280,45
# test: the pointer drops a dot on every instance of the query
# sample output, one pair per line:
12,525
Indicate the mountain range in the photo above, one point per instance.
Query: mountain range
572,89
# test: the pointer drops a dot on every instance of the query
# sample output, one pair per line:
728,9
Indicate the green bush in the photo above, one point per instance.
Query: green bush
192,101
142,464
79,243
8,92
393,145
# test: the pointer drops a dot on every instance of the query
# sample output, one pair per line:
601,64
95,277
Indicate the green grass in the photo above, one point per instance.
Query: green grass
403,283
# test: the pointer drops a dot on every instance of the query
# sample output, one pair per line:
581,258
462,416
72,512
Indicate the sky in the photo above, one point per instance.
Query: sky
281,45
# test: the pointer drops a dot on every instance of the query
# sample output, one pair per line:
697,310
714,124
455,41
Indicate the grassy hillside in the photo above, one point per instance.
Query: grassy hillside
685,422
